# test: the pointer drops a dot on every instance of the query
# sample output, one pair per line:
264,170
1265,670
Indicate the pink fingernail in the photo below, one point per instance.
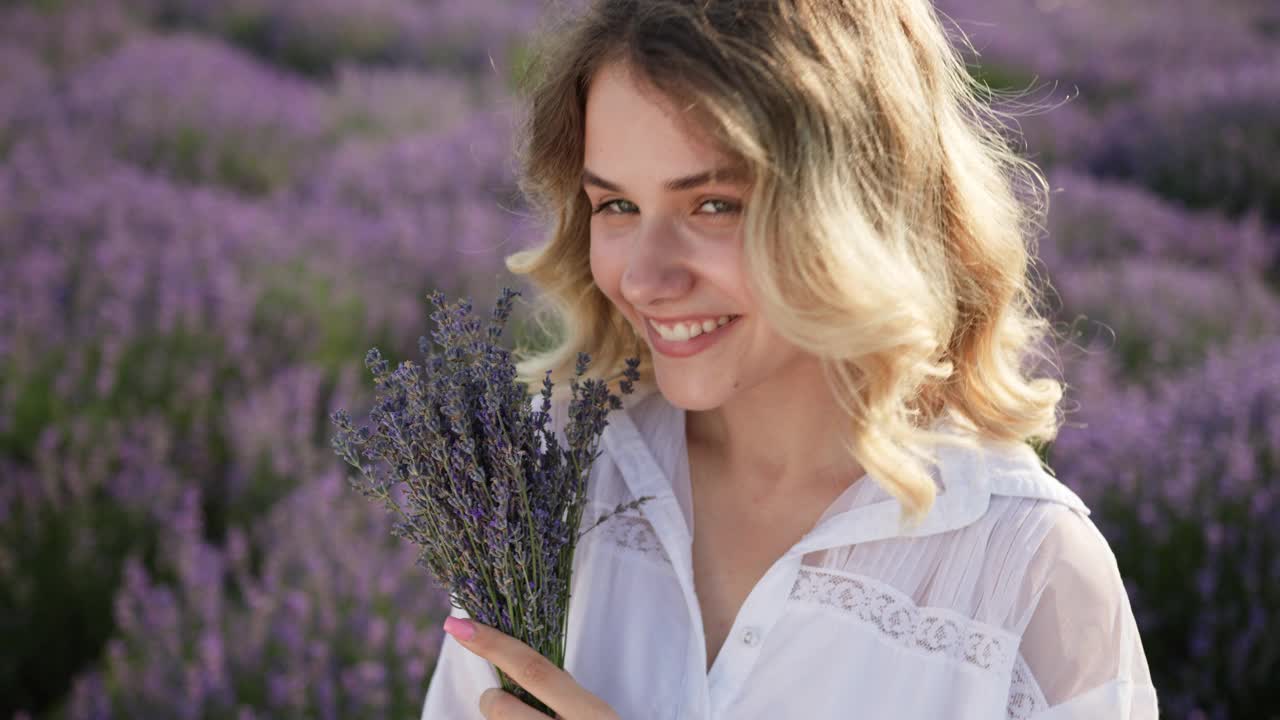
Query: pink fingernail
462,629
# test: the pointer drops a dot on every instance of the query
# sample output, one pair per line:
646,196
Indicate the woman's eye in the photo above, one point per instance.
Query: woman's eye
609,203
725,207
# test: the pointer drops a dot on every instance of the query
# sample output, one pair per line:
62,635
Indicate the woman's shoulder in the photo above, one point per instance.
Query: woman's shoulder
1034,532
1014,470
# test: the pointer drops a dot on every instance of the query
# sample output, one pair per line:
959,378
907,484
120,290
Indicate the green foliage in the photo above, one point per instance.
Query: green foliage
251,168
63,565
296,296
1001,78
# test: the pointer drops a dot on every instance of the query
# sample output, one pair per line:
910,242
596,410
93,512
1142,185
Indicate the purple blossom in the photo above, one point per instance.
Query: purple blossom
481,483
1165,316
200,111
1107,50
304,631
169,350
69,36
388,102
25,86
164,258
1053,129
88,496
1182,481
379,218
1093,221
311,36
1206,137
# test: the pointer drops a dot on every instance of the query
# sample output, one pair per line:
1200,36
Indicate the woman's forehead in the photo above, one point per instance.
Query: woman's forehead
627,121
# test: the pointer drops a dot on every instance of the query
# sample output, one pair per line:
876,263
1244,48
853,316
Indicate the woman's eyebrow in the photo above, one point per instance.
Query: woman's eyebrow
727,174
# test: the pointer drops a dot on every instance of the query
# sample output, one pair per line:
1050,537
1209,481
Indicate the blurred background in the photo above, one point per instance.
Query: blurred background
209,211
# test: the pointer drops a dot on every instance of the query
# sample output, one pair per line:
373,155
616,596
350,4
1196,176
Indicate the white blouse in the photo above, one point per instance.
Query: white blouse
1006,602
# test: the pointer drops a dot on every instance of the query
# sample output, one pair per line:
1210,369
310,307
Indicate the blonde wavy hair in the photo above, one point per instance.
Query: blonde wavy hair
885,232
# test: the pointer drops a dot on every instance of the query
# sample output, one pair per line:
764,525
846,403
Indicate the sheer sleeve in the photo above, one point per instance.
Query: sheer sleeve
460,675
1081,644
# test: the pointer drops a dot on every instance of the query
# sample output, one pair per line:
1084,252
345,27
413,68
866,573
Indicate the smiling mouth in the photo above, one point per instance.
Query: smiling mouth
684,335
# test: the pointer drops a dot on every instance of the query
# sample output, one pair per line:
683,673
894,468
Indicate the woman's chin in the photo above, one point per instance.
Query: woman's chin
693,394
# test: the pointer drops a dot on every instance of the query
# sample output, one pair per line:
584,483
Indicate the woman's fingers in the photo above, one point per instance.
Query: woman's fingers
498,704
539,676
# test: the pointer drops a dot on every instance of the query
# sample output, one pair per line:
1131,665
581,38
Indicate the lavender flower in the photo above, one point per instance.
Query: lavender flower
201,111
1182,479
24,88
312,611
1104,49
1166,316
1205,137
1094,221
497,516
311,36
69,36
390,102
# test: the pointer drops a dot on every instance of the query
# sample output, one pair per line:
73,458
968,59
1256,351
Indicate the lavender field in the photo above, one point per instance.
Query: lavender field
210,211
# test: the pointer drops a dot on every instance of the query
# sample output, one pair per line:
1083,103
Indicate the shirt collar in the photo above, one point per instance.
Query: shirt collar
646,439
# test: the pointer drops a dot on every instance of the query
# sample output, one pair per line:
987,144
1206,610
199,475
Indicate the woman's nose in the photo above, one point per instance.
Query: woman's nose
657,267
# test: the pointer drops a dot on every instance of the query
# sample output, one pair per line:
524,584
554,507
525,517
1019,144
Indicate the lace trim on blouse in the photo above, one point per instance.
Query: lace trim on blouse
936,631
1025,698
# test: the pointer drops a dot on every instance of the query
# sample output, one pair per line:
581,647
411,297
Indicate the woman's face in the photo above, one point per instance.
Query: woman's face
672,253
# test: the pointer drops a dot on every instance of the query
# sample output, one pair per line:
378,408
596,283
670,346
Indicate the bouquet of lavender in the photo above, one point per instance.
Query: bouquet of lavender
479,481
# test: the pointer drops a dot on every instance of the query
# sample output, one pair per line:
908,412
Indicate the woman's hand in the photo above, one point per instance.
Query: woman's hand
533,672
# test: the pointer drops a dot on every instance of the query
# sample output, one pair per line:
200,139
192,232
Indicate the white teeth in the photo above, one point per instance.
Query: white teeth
687,331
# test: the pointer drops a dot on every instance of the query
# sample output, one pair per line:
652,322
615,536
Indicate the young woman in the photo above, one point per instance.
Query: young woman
802,219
